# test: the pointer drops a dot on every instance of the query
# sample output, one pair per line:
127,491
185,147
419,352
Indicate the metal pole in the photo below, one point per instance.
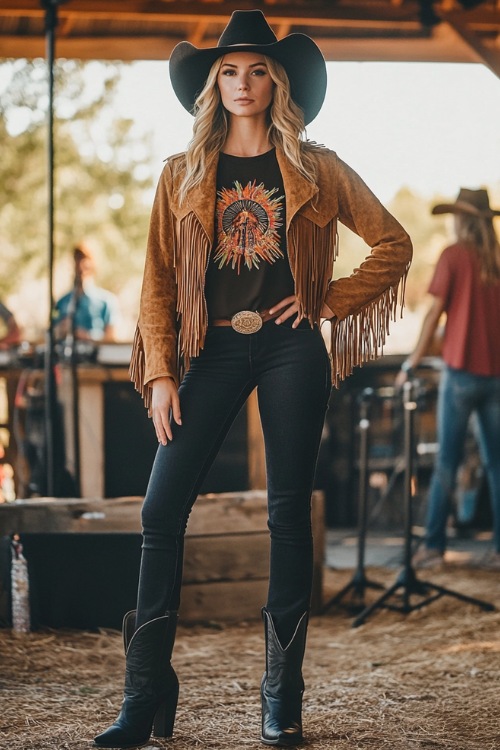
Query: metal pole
409,405
50,381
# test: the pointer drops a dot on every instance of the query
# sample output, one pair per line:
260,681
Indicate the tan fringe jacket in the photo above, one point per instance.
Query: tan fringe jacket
173,312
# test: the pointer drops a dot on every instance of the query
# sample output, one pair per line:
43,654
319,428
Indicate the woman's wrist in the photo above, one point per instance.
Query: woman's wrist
408,367
327,312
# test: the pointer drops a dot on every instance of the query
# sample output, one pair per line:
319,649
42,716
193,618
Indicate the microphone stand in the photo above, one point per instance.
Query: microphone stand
359,582
407,581
71,356
50,7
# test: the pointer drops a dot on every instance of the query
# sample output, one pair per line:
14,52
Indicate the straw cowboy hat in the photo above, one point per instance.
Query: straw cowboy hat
248,31
473,202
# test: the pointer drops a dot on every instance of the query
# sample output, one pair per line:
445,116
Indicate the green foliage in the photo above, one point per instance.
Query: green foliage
102,173
429,236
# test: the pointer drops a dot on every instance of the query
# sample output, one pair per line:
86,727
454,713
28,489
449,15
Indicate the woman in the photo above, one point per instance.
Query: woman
238,276
465,286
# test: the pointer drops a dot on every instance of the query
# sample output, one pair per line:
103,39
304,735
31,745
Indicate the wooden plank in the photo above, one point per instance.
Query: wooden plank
223,601
73,515
229,557
226,564
232,556
227,601
214,514
227,512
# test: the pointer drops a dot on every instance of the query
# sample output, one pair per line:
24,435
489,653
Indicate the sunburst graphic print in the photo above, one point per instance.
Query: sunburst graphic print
247,222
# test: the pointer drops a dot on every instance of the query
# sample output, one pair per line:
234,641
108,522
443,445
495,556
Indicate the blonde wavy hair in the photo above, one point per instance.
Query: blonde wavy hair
286,127
479,232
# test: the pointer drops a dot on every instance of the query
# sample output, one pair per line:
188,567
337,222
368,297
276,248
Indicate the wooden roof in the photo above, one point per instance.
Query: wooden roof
421,30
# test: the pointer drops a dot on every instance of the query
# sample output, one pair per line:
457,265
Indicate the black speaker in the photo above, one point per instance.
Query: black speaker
130,445
81,581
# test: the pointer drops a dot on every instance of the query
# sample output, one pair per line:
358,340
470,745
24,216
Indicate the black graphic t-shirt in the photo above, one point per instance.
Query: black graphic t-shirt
248,267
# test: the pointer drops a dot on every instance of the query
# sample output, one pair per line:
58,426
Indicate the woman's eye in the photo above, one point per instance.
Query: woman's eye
259,72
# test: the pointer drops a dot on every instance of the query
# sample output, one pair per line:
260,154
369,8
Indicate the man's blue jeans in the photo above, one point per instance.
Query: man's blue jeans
291,370
460,394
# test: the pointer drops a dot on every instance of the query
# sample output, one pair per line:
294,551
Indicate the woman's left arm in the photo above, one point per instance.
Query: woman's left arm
391,249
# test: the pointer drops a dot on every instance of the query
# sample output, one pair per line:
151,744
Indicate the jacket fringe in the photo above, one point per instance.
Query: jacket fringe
190,267
312,251
137,369
361,337
182,243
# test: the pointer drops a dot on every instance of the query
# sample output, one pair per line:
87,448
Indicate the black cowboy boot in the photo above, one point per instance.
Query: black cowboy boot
282,685
128,628
151,685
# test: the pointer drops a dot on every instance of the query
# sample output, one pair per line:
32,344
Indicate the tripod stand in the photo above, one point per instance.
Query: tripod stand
407,581
359,582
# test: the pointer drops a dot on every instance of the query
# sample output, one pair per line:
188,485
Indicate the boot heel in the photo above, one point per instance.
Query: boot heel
163,724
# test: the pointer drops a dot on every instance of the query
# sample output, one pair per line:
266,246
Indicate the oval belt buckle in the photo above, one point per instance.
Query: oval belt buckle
246,321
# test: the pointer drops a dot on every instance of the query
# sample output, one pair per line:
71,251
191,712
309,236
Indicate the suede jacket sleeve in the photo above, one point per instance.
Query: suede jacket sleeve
391,249
156,334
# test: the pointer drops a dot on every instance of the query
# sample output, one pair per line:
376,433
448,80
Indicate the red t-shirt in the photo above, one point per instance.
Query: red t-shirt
472,333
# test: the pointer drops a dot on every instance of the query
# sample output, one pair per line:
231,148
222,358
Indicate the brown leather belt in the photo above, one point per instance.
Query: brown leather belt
246,321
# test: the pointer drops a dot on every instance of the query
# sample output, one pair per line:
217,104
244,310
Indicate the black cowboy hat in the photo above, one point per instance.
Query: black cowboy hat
248,31
473,202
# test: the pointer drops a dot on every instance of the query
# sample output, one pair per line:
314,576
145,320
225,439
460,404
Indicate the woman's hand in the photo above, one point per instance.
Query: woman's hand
406,373
165,400
401,379
290,306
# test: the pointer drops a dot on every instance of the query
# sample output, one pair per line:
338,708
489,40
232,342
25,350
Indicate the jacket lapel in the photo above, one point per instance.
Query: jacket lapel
201,200
298,190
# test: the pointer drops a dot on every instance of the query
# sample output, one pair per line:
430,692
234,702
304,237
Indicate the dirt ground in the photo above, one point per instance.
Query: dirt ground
426,680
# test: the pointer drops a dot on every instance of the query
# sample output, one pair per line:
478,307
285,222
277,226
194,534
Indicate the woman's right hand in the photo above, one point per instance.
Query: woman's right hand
165,401
401,379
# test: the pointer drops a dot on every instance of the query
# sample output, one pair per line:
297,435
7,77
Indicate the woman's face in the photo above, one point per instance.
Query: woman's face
245,85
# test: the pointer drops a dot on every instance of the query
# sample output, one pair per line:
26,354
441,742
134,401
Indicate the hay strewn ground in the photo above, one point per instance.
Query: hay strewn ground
429,680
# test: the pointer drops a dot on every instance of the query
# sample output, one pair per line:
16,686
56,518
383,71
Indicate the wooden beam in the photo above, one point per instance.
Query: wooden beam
90,48
443,46
327,15
345,30
198,33
487,55
177,12
283,30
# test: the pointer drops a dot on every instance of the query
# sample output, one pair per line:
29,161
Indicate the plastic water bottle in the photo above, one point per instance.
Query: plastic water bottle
20,589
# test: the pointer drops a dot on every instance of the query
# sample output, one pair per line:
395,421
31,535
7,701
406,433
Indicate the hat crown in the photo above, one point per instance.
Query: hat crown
476,198
247,27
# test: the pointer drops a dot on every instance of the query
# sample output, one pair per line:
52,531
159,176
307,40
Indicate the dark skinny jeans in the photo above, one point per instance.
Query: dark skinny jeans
291,370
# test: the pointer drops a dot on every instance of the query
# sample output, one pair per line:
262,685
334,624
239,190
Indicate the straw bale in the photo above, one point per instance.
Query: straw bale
428,680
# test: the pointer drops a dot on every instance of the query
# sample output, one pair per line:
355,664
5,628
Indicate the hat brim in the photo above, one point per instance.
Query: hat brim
461,207
298,53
